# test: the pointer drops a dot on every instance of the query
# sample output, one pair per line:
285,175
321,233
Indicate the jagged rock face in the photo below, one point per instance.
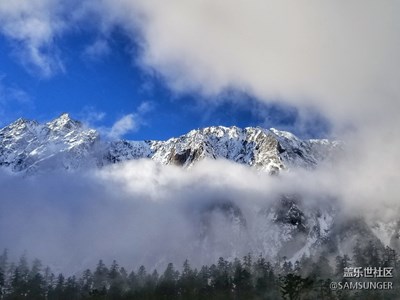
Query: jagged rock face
287,227
27,146
250,146
266,150
290,228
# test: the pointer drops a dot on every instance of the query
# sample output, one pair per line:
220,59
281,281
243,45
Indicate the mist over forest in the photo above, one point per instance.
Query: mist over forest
126,184
144,212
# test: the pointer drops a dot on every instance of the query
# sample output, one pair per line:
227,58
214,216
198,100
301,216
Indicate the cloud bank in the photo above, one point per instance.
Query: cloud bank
137,213
141,212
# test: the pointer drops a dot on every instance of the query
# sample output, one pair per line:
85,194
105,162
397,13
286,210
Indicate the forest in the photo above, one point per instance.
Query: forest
250,277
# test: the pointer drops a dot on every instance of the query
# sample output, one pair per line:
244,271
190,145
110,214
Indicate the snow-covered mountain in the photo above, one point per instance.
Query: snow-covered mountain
287,227
28,146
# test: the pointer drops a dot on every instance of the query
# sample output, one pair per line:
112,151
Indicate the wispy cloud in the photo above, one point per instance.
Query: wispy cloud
124,125
129,123
13,99
145,107
97,50
90,116
32,27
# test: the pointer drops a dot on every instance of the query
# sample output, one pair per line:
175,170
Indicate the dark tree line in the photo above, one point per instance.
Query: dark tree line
246,278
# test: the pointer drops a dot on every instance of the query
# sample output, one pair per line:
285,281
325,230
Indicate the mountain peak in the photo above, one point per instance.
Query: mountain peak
20,121
19,125
63,121
65,116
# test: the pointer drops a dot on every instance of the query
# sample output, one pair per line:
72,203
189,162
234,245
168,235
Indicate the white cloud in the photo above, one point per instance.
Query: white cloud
97,50
32,26
338,56
145,107
90,115
12,94
12,101
123,126
129,123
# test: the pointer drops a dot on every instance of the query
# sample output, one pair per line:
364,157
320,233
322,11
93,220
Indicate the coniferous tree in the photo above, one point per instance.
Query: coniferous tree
358,256
248,262
3,272
36,287
132,281
100,277
167,287
71,289
2,283
187,282
220,279
35,284
19,280
49,279
323,268
297,267
307,266
86,283
141,276
389,257
242,279
58,292
291,286
124,279
342,262
115,282
203,278
152,280
265,281
371,254
287,267
4,261
17,290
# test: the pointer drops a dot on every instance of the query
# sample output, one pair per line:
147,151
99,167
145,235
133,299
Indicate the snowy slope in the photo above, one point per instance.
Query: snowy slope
27,145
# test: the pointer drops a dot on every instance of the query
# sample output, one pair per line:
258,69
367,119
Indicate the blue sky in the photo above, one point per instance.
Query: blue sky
102,81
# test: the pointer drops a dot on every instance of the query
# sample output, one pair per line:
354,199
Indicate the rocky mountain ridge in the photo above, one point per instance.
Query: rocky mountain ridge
26,146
